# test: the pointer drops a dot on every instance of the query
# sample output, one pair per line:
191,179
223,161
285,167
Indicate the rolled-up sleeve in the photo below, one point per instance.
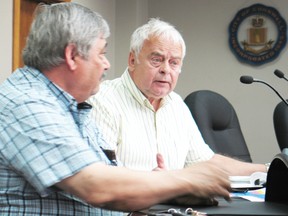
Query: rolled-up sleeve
43,144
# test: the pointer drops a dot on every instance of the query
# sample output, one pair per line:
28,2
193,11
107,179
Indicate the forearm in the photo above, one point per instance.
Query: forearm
116,188
119,188
236,167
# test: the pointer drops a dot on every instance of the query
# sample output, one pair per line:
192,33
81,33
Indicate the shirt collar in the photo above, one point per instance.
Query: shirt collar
58,92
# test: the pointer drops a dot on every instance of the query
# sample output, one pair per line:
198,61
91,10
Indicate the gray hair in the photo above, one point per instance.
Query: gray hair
58,25
155,28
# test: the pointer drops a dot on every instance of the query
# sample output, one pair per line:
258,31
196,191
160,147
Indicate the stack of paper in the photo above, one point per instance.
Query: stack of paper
254,181
252,195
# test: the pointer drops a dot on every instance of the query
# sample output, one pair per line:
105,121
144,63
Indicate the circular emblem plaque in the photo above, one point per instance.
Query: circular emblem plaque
257,34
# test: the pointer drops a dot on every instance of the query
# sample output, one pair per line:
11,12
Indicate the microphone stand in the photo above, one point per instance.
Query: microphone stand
260,81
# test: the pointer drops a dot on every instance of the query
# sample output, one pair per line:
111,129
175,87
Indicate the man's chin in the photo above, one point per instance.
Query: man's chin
161,94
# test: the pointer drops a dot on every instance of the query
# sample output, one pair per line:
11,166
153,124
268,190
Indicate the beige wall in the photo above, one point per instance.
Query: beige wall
107,9
6,7
209,62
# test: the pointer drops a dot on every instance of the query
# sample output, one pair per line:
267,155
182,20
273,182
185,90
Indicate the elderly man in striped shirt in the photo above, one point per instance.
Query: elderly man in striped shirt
144,119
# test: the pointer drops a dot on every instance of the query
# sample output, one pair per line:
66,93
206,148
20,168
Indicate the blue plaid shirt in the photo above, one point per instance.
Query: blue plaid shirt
45,137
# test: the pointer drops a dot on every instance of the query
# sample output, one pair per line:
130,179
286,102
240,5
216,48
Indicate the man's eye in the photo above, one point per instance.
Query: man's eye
102,55
174,62
156,61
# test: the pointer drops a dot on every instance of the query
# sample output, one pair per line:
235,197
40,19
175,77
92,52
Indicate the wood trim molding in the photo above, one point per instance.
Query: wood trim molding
16,34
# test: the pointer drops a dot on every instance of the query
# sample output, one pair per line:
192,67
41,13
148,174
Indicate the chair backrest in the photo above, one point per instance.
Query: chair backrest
218,123
277,177
280,119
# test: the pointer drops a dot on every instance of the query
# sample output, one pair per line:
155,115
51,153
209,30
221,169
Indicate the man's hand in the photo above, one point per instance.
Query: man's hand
208,180
189,200
160,163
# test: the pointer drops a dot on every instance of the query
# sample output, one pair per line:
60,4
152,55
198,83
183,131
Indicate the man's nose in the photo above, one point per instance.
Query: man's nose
165,67
107,64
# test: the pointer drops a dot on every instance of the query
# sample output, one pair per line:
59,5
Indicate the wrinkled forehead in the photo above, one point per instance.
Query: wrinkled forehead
162,45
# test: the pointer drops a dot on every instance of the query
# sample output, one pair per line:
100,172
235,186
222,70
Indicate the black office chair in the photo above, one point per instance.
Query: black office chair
218,123
280,119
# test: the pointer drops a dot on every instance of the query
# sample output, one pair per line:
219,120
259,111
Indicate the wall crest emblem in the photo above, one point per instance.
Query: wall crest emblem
257,34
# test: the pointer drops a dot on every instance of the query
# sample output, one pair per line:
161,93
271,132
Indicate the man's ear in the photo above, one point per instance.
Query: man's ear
70,54
131,61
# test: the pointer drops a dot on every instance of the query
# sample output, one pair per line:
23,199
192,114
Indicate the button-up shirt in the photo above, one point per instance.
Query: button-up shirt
130,124
45,137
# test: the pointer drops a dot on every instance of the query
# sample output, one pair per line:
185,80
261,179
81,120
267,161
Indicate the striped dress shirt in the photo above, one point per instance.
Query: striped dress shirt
45,137
130,124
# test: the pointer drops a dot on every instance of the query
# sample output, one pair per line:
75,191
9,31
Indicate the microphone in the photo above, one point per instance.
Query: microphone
249,80
280,74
